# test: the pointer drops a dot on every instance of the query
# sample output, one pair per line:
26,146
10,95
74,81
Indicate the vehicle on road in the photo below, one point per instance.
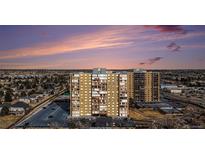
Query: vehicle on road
50,116
26,125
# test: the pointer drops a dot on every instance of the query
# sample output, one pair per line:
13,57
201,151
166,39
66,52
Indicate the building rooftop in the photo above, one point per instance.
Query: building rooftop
5,104
139,70
152,105
99,71
20,104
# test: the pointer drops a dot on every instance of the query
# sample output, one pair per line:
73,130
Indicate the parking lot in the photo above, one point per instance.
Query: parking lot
54,115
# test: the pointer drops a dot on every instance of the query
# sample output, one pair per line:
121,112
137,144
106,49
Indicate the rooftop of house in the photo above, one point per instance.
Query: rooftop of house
20,104
5,104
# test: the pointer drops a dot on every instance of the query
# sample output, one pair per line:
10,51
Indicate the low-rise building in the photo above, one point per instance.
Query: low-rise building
19,108
176,91
25,99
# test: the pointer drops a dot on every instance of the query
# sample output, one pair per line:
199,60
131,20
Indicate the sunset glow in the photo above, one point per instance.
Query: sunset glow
114,47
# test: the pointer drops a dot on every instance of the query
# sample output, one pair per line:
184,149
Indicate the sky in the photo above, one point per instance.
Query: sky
112,47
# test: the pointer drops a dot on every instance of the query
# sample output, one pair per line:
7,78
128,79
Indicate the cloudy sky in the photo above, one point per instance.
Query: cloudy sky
114,47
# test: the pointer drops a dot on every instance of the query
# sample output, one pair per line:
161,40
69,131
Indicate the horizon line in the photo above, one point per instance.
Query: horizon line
105,68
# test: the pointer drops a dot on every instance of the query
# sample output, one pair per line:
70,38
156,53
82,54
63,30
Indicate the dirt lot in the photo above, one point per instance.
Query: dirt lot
145,114
6,121
136,115
152,114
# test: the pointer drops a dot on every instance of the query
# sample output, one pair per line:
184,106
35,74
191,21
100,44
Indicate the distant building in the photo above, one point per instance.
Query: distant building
168,86
25,99
176,91
31,99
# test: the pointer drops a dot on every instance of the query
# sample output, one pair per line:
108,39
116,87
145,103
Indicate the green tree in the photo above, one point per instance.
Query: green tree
72,125
31,92
27,84
21,87
8,97
1,93
4,111
34,85
52,92
23,94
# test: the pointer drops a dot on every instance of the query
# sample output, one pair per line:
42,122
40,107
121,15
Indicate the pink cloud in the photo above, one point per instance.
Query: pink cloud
174,47
150,61
169,28
107,38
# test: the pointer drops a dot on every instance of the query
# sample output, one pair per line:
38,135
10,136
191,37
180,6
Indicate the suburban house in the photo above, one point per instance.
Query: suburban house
19,108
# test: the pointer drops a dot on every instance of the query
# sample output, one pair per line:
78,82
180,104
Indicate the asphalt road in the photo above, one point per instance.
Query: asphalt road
54,115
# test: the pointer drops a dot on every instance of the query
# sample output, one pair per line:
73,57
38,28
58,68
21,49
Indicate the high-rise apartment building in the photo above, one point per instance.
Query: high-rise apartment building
113,94
99,93
146,86
80,94
123,94
75,95
130,86
108,93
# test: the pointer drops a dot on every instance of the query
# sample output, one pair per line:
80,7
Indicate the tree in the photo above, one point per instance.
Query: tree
55,80
31,92
52,92
23,94
4,111
8,97
72,125
34,85
1,93
27,84
21,87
